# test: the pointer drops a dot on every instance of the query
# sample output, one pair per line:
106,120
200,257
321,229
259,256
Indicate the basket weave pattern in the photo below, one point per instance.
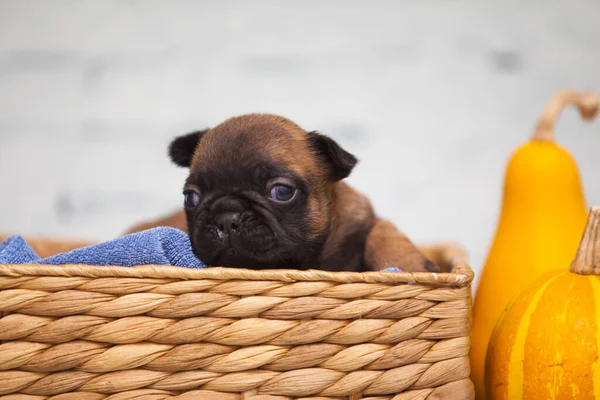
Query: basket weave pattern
82,332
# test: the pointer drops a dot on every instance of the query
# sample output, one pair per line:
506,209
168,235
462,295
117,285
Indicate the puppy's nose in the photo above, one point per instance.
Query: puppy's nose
228,221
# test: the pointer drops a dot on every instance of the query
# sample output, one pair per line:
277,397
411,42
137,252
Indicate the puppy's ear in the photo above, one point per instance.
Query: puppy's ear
339,162
182,148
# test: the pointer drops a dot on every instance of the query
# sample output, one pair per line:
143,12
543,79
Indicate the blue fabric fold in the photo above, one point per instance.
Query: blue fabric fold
14,250
156,246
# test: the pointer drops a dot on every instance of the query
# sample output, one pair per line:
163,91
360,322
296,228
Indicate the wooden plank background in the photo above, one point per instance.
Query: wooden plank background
432,96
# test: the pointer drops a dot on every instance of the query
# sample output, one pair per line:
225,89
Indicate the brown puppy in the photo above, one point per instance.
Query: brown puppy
264,193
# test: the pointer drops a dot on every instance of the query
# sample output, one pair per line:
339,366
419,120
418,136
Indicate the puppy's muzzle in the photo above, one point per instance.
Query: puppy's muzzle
228,222
226,215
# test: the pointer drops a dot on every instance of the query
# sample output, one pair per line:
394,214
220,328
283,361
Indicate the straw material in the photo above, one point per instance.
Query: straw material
153,332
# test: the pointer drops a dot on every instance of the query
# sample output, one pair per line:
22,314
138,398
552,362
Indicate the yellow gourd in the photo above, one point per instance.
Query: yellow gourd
547,344
543,215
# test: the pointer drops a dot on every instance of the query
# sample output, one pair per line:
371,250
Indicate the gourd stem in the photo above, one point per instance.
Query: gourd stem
587,258
587,103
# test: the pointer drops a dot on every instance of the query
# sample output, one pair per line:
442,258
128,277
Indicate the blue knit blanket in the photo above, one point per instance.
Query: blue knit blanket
156,246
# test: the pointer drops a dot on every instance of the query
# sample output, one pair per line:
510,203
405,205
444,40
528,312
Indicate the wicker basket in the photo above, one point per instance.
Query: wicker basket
148,332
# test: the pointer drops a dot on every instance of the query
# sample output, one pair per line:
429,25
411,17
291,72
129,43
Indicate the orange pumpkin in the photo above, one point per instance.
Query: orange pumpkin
543,214
547,343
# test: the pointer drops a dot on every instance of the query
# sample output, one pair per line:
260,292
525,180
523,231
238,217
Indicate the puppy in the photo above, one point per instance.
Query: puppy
264,193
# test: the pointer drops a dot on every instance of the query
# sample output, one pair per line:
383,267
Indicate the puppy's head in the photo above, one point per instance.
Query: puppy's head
260,191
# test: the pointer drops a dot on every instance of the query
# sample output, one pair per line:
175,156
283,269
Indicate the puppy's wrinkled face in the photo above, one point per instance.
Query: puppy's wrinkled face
259,192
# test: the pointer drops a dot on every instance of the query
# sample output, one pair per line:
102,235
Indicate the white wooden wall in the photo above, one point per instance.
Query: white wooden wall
433,96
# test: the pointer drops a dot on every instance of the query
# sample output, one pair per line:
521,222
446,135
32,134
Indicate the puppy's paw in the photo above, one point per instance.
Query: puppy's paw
418,263
430,266
388,247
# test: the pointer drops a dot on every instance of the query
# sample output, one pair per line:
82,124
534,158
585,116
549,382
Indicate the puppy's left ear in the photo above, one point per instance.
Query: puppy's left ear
181,149
339,162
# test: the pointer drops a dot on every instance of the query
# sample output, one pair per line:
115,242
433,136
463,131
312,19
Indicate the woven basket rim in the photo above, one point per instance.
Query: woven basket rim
461,278
461,275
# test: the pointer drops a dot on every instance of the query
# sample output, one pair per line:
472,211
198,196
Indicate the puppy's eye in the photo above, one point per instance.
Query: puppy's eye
282,193
192,199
